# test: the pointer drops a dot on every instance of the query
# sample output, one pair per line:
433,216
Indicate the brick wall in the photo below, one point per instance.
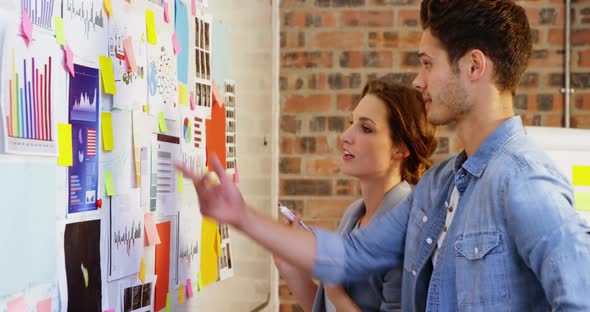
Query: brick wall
330,48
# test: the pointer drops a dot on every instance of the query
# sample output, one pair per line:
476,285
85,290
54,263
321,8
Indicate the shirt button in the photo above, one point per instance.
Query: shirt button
429,241
451,209
445,229
476,250
424,219
414,272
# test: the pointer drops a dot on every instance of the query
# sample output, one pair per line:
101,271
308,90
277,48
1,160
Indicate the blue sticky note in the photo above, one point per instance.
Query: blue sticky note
220,48
181,28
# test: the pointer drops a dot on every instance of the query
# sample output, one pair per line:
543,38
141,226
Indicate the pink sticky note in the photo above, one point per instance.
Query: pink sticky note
26,27
44,305
236,176
189,288
194,8
69,55
192,100
153,238
16,305
166,18
129,54
176,44
217,94
109,310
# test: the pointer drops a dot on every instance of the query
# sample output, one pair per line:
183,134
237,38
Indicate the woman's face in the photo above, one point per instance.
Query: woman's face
367,145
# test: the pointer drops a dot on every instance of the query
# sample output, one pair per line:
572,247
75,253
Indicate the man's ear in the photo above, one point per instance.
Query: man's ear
476,63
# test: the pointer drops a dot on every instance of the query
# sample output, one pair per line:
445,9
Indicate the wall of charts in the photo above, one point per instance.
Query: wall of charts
97,100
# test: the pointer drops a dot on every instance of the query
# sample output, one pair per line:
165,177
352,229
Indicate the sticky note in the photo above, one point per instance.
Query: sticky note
129,54
582,201
200,282
109,186
16,305
146,108
69,57
109,310
194,8
581,175
84,274
181,294
58,28
166,17
106,131
162,123
176,44
192,100
168,302
107,74
182,94
209,261
64,141
108,7
189,288
153,237
44,305
150,27
142,271
217,97
180,182
26,27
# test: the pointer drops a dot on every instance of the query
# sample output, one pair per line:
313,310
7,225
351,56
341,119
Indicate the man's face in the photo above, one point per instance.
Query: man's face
441,83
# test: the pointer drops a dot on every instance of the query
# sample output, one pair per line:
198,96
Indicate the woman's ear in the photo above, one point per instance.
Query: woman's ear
400,152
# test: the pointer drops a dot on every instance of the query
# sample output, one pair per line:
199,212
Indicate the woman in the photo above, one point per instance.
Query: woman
386,147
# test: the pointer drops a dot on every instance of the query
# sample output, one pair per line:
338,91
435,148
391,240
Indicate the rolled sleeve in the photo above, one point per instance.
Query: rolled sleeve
330,264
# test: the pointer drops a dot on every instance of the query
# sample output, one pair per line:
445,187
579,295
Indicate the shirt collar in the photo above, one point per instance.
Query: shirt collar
477,163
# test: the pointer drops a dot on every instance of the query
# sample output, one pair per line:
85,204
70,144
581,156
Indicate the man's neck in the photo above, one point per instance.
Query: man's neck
474,128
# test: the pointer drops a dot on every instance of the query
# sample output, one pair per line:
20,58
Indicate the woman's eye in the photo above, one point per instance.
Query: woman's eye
367,129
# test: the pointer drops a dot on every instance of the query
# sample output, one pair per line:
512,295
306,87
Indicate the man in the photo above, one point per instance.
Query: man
492,229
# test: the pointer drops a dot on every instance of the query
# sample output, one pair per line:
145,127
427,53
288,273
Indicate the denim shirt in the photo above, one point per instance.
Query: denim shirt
516,243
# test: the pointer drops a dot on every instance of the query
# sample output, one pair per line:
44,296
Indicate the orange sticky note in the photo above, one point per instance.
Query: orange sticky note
217,97
109,186
107,74
108,7
16,305
150,27
194,8
129,54
26,27
44,305
176,44
106,127
69,56
64,140
58,28
181,294
166,18
152,235
189,288
142,271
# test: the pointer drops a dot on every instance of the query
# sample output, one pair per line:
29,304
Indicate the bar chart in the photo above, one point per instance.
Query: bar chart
40,11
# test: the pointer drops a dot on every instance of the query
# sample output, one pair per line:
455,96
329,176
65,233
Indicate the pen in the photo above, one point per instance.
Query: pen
291,216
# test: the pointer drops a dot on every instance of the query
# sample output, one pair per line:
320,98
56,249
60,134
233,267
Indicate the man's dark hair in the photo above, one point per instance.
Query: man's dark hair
499,28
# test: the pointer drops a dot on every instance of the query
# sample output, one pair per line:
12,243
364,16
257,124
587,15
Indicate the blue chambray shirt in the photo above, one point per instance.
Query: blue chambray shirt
515,244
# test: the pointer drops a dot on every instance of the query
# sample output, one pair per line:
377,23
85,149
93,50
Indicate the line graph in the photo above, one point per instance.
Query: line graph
91,16
127,236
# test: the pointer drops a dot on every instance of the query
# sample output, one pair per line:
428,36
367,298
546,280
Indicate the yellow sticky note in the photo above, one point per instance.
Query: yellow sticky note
107,74
146,108
58,27
181,294
162,123
109,186
168,302
209,243
199,282
142,271
150,27
182,94
218,244
582,201
106,130
581,175
64,139
180,182
108,7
